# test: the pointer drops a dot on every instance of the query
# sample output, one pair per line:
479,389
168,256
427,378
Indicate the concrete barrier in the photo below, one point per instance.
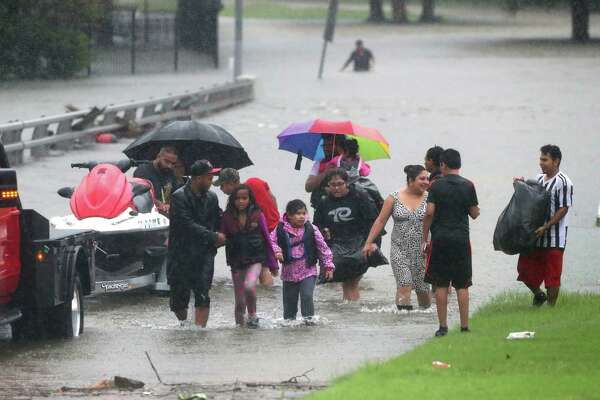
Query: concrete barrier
81,126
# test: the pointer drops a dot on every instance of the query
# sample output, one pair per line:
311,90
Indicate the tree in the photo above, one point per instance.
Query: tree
580,20
427,13
376,11
44,38
399,11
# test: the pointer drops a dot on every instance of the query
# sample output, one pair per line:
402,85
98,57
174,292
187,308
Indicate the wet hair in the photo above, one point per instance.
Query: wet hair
553,151
434,154
294,206
231,200
339,172
412,171
451,158
350,146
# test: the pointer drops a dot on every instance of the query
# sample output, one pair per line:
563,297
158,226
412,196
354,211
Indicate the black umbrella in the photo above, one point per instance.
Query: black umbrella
194,141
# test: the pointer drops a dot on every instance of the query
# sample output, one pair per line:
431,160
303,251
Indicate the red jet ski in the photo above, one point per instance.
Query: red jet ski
132,234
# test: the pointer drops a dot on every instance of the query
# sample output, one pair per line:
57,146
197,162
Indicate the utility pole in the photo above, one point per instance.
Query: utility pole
237,52
329,30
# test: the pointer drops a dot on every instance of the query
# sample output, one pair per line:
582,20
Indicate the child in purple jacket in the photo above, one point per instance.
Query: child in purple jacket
298,244
248,247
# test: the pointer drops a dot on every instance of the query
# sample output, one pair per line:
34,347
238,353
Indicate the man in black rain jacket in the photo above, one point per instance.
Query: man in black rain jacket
195,217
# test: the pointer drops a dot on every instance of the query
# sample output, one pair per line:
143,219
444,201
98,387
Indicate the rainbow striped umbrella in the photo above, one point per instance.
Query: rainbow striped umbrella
305,138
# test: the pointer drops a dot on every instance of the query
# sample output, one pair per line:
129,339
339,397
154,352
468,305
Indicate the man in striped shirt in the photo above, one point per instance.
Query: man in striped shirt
544,264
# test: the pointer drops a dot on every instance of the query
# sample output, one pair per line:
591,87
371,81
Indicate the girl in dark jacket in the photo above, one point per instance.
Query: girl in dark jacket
248,247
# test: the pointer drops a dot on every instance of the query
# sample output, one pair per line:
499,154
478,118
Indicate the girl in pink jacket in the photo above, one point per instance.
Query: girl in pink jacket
298,245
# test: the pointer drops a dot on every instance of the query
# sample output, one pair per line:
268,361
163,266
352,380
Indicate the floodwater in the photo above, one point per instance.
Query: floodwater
495,88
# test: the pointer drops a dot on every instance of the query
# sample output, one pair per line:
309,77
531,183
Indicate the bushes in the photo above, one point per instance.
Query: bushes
44,38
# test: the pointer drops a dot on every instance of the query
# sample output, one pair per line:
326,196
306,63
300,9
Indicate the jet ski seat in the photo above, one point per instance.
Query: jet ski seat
143,202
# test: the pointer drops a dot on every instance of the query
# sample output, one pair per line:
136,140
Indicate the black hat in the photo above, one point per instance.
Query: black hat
203,167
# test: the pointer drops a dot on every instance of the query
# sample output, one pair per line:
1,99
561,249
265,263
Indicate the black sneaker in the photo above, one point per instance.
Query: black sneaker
539,299
443,331
406,307
465,329
252,322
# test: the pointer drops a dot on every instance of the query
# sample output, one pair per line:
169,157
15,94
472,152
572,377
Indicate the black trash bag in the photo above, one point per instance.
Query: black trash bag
349,260
525,212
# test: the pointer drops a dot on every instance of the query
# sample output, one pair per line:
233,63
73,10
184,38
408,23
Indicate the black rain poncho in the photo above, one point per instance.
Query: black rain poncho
349,220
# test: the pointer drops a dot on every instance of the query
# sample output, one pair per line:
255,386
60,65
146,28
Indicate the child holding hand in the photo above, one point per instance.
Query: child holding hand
248,248
298,245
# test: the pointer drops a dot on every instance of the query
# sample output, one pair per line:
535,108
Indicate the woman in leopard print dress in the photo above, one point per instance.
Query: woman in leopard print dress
407,207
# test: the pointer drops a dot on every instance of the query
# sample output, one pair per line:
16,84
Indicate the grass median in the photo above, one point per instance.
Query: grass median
260,9
561,362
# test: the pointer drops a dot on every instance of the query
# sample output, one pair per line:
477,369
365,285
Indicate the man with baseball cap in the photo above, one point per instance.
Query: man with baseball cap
229,180
195,218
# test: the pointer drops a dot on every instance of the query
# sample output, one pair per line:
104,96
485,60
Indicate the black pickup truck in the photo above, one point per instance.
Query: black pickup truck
42,280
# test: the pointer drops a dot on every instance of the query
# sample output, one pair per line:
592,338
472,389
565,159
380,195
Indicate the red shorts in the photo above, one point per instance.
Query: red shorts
543,265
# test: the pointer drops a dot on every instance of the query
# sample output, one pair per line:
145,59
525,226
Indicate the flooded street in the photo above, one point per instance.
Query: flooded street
479,86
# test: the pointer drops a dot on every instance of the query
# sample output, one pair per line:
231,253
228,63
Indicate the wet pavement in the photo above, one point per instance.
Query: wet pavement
478,86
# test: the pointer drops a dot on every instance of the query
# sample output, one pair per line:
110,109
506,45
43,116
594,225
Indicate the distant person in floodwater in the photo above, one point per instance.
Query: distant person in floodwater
361,57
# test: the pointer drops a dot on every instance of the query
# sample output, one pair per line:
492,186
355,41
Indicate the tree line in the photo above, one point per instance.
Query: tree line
580,12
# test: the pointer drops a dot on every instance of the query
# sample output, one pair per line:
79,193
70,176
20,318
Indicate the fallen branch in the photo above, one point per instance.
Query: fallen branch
154,368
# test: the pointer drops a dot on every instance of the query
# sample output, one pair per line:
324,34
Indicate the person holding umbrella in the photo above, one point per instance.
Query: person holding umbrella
160,172
195,218
314,182
186,142
316,139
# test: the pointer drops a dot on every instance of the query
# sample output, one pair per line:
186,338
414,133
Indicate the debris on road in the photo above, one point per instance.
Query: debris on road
520,335
440,364
118,382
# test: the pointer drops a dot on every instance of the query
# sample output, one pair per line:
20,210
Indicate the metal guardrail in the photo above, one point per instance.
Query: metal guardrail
36,135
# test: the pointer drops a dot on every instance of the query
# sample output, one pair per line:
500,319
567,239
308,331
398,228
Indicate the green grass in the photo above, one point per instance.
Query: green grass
561,362
153,5
269,9
263,9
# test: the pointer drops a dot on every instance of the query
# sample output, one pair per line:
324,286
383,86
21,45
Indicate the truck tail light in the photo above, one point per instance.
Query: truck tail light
10,252
9,194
